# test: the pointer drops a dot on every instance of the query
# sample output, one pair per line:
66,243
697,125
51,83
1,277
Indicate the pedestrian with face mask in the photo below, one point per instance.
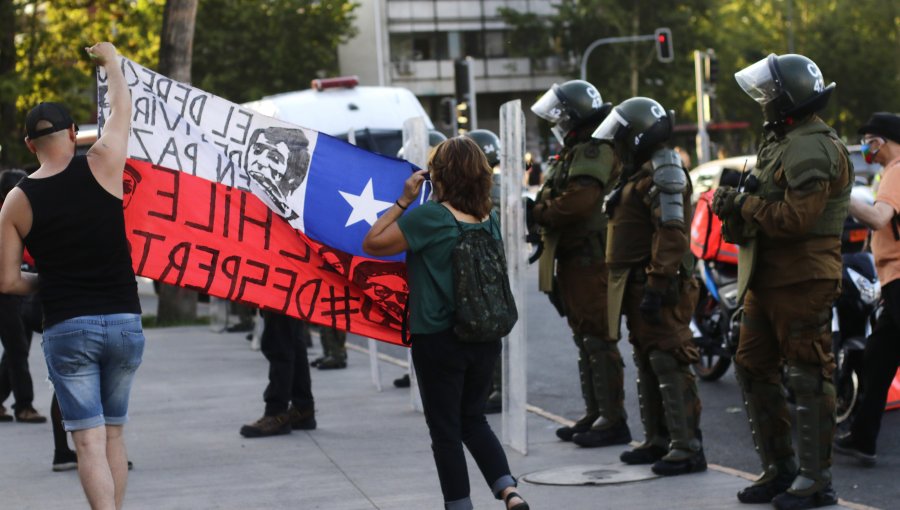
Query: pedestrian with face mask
880,144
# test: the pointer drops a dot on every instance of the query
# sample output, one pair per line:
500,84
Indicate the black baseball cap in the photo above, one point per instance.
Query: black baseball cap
54,113
883,124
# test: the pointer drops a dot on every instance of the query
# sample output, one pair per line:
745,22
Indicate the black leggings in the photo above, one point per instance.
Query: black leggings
454,379
880,362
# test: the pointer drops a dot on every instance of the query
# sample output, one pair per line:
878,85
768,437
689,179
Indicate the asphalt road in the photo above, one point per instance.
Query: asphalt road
553,386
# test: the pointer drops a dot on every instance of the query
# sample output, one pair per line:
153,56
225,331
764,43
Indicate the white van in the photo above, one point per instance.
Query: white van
339,107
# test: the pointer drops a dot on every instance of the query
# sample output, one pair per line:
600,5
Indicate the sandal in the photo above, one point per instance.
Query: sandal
521,506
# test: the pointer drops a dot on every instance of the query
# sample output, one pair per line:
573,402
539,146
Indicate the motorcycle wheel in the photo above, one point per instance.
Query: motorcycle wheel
847,397
714,362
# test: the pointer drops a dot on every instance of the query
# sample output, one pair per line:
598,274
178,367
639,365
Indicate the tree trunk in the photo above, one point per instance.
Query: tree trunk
8,130
176,44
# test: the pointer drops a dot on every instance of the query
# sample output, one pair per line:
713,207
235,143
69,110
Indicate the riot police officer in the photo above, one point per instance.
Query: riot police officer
788,221
650,280
569,210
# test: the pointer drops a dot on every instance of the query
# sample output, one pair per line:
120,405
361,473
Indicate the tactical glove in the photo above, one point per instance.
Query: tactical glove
651,306
529,212
727,201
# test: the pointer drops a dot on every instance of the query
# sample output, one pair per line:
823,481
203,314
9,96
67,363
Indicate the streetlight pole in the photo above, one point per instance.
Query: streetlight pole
610,40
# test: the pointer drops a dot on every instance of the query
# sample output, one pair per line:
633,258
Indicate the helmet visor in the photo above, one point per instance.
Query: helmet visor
757,81
549,107
610,126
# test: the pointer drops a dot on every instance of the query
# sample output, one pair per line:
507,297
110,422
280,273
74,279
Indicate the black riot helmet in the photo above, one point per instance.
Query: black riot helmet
789,87
572,105
636,127
489,143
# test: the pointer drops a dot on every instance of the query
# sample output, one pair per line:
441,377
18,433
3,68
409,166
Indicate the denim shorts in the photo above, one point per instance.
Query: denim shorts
91,361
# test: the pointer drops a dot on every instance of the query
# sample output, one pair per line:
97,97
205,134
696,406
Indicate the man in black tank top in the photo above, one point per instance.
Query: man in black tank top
69,215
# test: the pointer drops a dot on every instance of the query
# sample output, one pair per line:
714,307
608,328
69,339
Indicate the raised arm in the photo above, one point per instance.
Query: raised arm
107,156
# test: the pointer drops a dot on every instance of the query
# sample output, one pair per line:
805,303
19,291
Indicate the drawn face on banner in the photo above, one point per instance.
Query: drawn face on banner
278,159
335,261
379,281
130,181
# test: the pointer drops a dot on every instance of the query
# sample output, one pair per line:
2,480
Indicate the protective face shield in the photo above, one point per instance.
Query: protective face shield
759,82
610,127
550,108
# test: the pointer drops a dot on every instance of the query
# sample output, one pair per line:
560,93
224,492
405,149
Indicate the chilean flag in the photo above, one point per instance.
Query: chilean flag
238,205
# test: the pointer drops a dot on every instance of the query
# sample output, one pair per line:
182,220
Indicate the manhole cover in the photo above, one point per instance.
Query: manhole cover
590,475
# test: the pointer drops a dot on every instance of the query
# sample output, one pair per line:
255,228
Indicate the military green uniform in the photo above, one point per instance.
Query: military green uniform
573,271
643,251
334,348
790,273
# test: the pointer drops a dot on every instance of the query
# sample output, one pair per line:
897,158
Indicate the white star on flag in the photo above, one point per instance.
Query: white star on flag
365,206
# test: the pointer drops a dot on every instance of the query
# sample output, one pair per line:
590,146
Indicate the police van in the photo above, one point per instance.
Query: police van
369,117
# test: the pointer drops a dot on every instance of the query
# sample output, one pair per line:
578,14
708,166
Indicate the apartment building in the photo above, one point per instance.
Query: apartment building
414,43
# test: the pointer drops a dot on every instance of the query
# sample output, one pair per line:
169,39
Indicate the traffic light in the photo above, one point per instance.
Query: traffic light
463,88
664,52
712,68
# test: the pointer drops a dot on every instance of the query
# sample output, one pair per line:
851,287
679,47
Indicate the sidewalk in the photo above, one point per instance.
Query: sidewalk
371,451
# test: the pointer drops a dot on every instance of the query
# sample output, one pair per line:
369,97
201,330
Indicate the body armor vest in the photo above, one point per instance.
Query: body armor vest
773,179
589,159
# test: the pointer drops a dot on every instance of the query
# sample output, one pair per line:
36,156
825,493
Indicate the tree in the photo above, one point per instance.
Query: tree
8,80
853,47
246,50
177,304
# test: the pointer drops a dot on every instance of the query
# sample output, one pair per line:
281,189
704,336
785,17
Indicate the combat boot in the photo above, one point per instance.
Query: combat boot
656,434
607,381
770,425
682,409
815,428
591,413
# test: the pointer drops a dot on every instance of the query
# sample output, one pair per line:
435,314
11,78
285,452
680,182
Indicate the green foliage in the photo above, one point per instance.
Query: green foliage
51,57
245,50
242,50
854,42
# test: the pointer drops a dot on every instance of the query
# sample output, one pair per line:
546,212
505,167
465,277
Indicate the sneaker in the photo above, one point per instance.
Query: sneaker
268,426
845,444
788,501
594,438
29,415
302,420
402,382
330,363
314,363
64,460
4,416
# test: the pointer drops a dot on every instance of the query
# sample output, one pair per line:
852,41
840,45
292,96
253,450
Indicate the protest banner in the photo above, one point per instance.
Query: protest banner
245,207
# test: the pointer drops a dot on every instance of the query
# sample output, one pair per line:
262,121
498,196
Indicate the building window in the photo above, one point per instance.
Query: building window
495,44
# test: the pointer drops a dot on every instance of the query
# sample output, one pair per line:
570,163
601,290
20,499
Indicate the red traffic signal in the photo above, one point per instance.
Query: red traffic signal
664,51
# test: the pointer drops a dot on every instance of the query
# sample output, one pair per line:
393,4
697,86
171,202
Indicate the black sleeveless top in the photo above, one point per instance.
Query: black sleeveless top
78,242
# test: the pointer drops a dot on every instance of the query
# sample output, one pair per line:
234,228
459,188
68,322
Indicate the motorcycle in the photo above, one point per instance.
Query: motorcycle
853,316
716,320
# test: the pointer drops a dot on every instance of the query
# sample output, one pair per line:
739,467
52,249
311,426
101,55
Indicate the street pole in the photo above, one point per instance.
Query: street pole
610,40
702,105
